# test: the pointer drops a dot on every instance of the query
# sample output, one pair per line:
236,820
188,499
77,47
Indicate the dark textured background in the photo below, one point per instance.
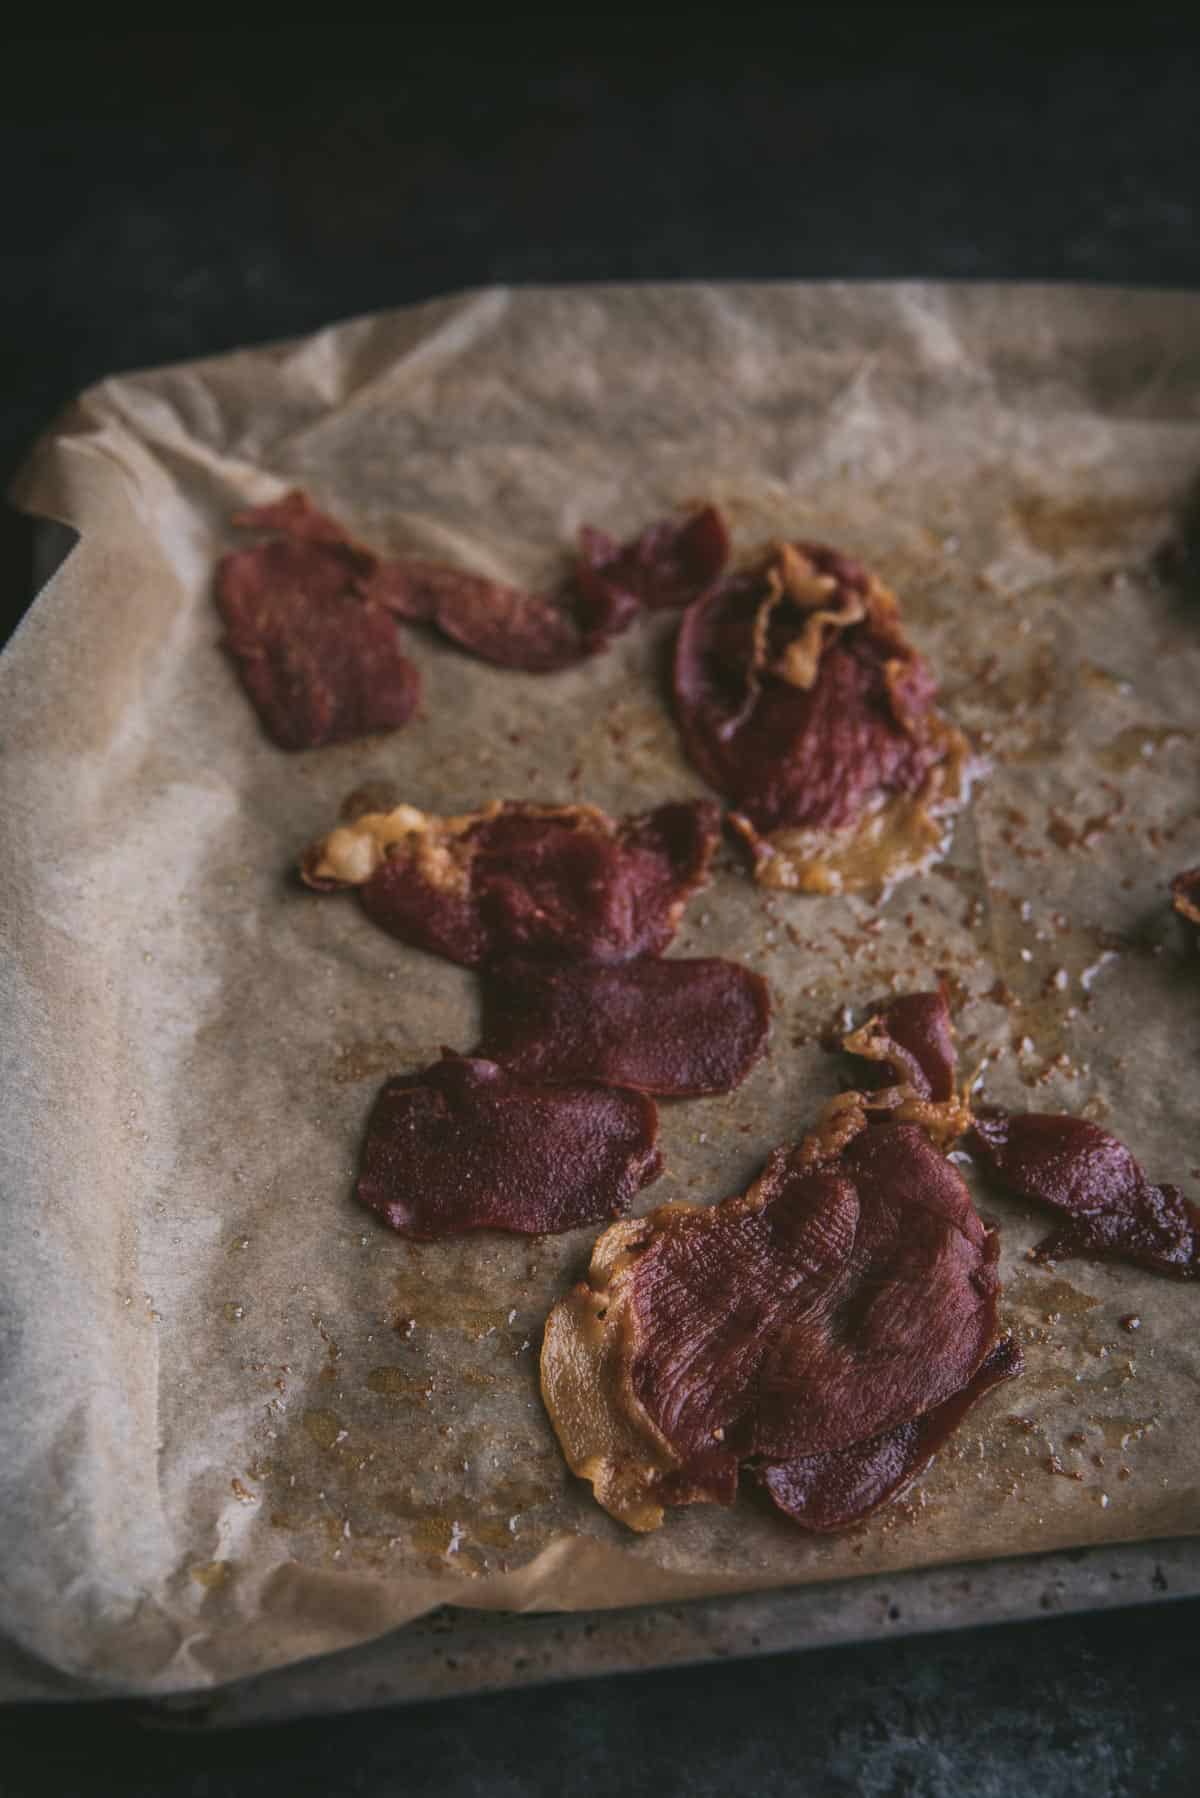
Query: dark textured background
174,194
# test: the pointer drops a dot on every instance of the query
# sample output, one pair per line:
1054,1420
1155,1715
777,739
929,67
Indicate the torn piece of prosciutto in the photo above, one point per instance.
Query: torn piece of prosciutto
800,698
532,633
912,1065
316,651
670,564
1108,1208
674,1028
517,879
833,1491
841,1297
465,1146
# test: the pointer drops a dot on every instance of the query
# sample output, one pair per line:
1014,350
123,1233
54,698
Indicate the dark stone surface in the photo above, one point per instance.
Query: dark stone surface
176,194
1066,1708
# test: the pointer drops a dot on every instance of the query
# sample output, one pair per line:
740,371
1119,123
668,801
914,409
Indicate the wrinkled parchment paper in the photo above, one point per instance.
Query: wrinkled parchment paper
243,1422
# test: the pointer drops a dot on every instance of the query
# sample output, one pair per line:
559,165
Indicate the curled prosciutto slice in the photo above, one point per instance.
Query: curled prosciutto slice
508,626
912,1065
670,564
1107,1206
514,879
465,1146
841,1297
910,1042
833,1491
800,698
316,651
674,1028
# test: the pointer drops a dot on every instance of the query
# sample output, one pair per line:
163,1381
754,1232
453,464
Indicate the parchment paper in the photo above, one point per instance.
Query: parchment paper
243,1422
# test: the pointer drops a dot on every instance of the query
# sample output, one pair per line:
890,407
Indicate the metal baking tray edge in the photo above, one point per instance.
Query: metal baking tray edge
454,1653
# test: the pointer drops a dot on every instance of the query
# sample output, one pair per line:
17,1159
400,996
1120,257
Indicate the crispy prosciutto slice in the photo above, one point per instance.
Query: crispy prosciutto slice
912,1066
843,1296
833,1491
312,568
1107,1207
800,698
465,1146
533,633
514,879
910,1042
316,651
670,564
674,1028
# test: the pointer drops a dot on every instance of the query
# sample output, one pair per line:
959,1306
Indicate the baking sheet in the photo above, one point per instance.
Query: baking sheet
247,1423
454,1653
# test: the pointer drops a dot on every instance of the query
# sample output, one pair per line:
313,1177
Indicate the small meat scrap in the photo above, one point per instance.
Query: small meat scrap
674,1028
913,1065
1110,1210
516,879
833,1491
465,1146
316,651
532,633
1185,897
800,698
834,1302
671,564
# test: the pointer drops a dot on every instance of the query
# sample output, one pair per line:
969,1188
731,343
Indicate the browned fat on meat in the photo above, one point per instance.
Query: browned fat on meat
911,1066
306,613
840,1298
674,1028
800,698
316,651
516,879
910,1042
465,1146
1107,1208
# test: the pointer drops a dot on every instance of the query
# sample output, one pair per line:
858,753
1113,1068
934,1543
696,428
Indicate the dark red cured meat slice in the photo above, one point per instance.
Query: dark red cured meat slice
912,1044
509,627
829,1305
463,1146
670,564
799,697
1185,897
526,880
673,1028
531,633
1110,1209
790,754
318,656
834,1491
